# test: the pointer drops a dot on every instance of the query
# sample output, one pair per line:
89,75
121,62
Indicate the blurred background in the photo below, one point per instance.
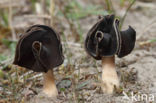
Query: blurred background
78,77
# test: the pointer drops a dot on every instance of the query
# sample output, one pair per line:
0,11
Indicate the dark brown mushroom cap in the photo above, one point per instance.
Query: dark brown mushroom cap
105,39
128,38
39,49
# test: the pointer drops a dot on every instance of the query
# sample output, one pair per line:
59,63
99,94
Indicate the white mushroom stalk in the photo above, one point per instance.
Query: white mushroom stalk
49,87
109,75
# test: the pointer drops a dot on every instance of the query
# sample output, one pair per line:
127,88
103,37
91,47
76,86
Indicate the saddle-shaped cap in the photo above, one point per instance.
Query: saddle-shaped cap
105,39
39,49
128,38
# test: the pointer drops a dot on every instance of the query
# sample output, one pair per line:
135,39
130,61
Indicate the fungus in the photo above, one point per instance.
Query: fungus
103,41
40,49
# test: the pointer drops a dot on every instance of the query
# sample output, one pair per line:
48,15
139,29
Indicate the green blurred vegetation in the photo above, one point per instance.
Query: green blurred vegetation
4,17
75,11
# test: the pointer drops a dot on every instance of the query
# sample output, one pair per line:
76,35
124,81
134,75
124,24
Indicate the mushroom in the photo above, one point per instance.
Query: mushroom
103,41
40,49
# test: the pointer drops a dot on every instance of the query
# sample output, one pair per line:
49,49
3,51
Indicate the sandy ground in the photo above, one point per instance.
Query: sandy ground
139,67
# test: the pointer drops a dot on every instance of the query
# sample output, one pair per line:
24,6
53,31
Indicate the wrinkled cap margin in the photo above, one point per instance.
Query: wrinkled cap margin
39,49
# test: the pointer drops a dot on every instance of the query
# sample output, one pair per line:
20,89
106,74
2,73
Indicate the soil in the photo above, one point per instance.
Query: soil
140,64
137,71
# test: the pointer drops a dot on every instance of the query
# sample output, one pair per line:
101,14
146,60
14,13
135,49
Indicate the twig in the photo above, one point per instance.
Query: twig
73,44
6,61
123,18
71,25
10,22
25,74
37,16
43,3
44,12
108,5
52,7
7,3
146,5
35,76
147,27
112,7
